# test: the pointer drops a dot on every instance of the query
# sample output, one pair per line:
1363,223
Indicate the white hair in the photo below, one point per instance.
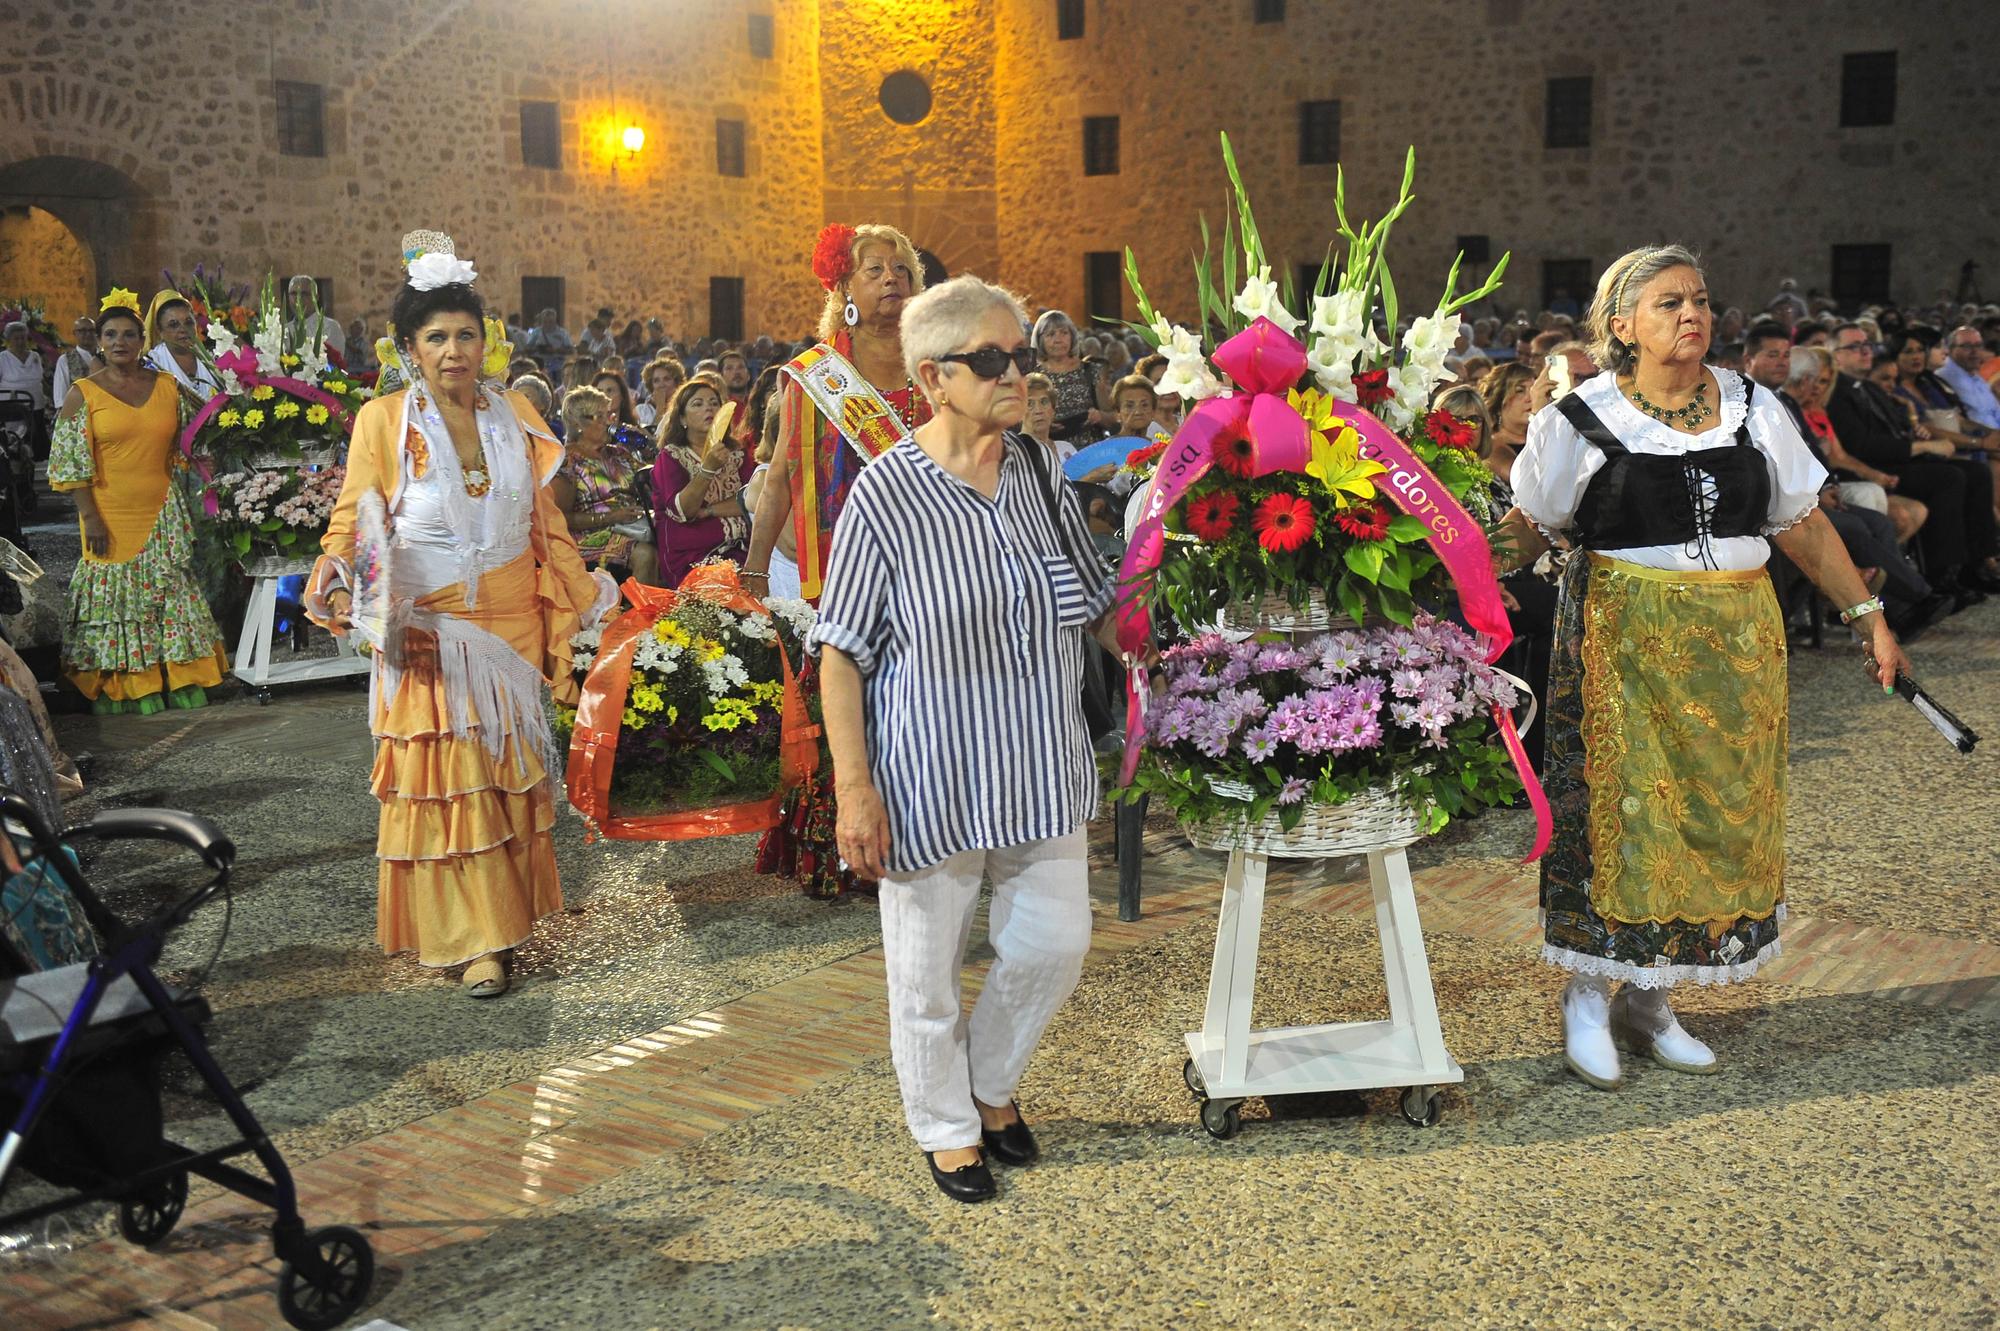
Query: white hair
939,321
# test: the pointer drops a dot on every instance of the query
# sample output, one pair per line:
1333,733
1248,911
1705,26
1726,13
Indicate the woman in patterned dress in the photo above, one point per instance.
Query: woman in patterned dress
140,637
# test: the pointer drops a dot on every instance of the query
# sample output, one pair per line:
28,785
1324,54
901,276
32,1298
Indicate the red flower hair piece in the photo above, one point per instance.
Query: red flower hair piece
1211,516
833,255
1283,523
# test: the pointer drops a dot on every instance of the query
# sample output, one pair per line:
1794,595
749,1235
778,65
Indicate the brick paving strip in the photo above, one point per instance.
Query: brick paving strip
459,1173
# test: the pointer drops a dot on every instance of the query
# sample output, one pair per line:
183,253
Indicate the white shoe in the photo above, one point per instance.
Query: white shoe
1587,1043
1642,1023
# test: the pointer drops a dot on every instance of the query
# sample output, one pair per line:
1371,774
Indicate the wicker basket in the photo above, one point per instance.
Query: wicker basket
1372,819
1275,614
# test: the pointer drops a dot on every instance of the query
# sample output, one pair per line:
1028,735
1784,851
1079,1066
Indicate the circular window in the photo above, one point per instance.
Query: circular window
906,97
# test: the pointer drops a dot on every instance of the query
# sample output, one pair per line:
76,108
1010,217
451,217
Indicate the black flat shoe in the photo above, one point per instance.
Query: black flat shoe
1013,1144
967,1183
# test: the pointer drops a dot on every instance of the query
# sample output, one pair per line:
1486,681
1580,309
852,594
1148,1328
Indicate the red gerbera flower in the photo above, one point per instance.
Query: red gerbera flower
1283,523
1364,522
1448,430
1213,516
1235,455
1371,387
1140,458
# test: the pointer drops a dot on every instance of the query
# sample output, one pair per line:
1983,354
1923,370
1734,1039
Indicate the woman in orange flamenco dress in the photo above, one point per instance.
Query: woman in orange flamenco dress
486,588
139,636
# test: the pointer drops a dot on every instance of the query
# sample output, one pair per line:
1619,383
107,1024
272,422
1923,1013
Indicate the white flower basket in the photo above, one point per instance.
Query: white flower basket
1371,819
1275,614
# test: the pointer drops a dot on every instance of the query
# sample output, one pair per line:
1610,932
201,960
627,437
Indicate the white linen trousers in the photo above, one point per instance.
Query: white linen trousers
1039,926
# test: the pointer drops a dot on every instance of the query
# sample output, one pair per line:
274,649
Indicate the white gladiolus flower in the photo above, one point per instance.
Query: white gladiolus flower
1431,337
1259,300
1339,315
1332,364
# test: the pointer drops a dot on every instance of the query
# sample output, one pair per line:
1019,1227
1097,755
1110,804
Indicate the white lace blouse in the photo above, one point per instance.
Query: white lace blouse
1556,464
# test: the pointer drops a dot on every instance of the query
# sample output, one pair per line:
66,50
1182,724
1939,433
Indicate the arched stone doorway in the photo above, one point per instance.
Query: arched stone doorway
77,217
43,262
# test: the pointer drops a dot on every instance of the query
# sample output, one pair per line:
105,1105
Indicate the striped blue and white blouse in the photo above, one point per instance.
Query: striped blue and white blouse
968,623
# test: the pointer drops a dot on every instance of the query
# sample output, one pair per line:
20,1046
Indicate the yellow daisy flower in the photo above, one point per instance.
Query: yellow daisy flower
317,415
263,392
284,411
253,419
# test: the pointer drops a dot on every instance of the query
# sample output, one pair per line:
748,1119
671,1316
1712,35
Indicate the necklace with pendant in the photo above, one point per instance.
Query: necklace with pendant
1688,416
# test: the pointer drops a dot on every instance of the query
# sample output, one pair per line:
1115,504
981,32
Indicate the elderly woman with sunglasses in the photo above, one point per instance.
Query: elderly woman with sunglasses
959,596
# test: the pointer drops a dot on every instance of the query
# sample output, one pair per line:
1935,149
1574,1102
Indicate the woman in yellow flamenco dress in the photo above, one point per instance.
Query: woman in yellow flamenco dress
139,636
486,589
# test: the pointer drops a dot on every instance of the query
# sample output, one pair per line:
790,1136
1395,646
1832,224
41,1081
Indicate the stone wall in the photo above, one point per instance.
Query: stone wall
1715,122
150,130
423,129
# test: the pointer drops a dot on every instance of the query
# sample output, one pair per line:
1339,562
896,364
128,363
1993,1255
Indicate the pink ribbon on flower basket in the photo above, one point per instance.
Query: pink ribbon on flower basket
1267,361
242,362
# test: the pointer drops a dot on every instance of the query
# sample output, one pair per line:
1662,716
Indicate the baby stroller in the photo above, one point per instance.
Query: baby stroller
80,1052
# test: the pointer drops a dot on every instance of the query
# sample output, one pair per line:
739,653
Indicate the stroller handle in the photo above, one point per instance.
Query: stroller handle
190,830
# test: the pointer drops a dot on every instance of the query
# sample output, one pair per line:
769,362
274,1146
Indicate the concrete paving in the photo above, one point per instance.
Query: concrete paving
684,1114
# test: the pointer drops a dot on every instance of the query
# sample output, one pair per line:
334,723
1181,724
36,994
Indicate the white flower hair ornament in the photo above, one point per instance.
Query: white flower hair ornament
430,271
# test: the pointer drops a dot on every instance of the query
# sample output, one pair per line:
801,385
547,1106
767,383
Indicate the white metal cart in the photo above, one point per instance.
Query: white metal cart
1228,1061
253,663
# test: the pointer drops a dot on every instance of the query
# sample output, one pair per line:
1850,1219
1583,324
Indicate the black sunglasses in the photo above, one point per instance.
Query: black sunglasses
991,362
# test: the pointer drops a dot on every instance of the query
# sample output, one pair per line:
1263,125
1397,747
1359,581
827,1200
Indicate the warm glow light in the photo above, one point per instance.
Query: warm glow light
635,138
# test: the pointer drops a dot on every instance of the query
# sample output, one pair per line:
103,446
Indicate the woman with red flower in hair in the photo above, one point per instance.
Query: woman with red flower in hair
841,404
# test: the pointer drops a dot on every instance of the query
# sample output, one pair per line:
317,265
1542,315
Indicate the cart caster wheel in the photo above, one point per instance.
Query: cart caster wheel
1422,1106
326,1280
1222,1118
146,1220
263,697
1192,1076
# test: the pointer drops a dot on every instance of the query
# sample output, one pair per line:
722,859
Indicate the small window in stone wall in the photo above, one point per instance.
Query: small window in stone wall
301,119
1267,11
1476,248
729,159
906,97
541,136
542,293
725,308
1575,278
1069,20
1566,122
1867,88
763,37
1306,275
1860,275
1103,287
1100,145
1319,133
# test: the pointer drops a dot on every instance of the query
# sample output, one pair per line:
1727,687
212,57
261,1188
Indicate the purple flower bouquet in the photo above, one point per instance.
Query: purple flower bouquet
1285,726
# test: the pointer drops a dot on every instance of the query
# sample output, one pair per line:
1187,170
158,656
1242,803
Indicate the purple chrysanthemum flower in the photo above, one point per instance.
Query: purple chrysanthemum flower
1294,790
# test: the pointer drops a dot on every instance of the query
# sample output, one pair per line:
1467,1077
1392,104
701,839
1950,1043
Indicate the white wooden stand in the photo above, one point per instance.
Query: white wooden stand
1228,1062
260,621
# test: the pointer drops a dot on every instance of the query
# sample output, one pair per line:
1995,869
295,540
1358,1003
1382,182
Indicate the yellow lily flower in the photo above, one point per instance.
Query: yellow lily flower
1338,465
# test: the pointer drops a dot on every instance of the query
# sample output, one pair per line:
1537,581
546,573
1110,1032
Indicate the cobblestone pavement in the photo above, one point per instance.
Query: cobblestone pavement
684,1114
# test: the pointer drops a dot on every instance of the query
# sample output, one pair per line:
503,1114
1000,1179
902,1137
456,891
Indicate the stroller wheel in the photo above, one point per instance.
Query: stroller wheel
150,1217
326,1280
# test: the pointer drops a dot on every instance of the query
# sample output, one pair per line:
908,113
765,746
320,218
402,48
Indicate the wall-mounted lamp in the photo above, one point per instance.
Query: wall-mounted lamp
633,138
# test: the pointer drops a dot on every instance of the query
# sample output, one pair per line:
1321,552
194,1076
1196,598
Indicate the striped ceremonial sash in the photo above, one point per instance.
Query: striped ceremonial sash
839,394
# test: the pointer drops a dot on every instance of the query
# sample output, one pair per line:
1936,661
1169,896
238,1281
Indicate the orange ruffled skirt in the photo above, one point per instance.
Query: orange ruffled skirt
466,841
